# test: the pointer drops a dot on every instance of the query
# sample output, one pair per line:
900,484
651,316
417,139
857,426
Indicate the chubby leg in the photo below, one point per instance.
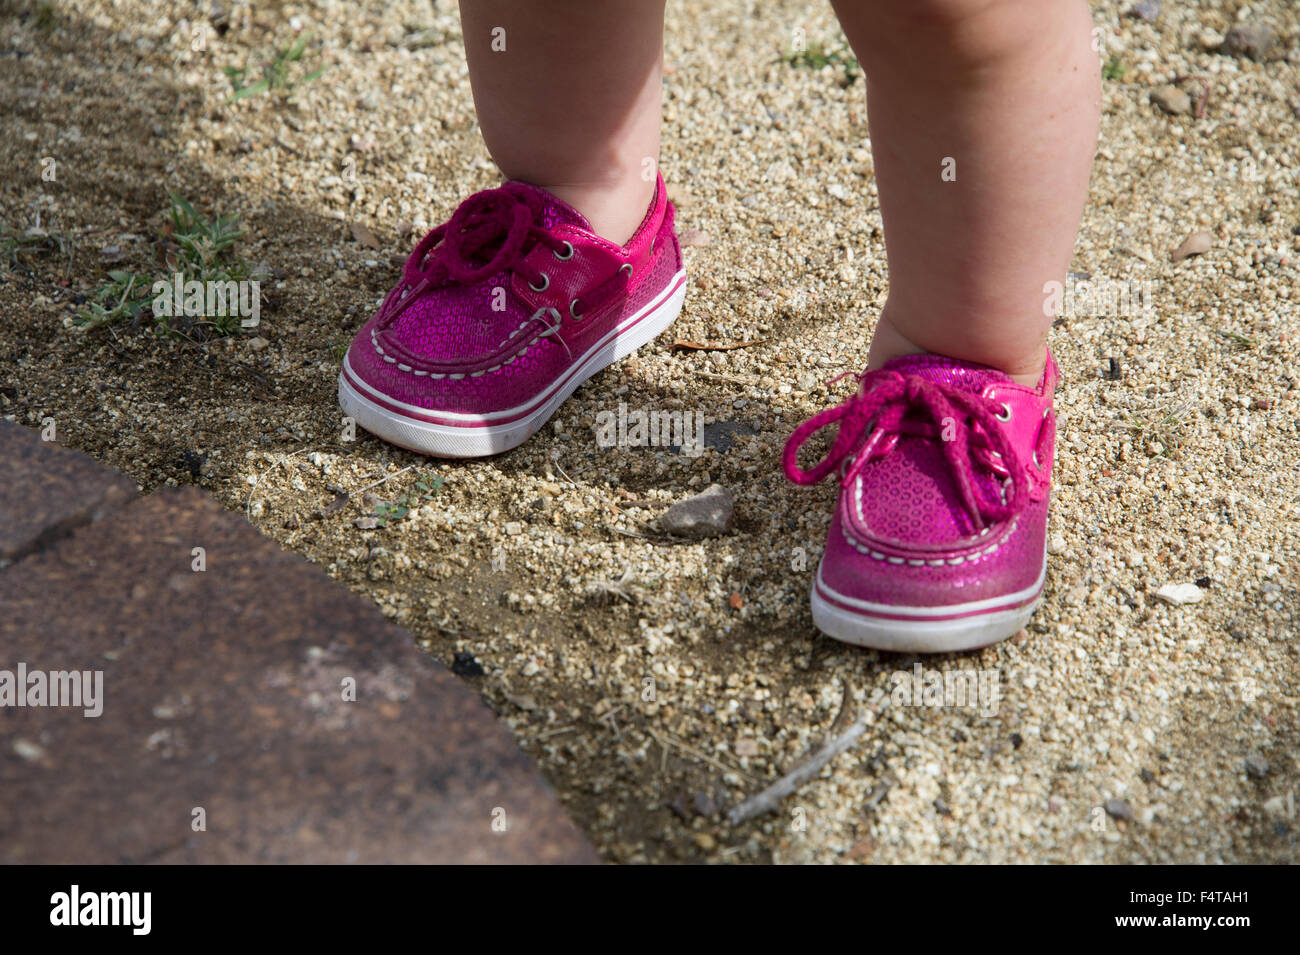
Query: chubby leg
983,117
568,97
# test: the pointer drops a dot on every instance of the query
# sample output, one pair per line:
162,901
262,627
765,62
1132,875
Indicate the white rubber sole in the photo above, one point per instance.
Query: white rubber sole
472,436
949,629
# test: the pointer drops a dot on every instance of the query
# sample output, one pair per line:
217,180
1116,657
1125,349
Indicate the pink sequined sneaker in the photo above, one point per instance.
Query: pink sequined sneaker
501,314
938,542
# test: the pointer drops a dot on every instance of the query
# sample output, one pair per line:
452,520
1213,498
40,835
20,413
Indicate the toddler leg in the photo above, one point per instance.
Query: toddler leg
1003,95
568,98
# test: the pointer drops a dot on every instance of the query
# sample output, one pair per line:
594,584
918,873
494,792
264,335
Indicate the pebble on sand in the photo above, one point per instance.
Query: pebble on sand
1171,100
1198,243
1119,809
706,514
1177,594
1147,11
1251,40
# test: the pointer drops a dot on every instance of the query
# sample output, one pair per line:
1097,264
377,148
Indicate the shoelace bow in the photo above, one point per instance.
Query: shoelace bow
501,222
489,232
889,405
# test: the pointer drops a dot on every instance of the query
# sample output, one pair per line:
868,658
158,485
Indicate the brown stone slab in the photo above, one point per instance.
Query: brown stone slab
223,690
46,490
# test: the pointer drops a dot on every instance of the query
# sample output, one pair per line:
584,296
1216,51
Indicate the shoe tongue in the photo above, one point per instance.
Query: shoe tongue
553,210
947,371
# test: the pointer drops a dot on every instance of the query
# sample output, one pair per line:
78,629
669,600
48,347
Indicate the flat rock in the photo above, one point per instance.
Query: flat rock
1171,100
1251,40
1198,243
1178,594
706,514
1119,809
47,490
257,697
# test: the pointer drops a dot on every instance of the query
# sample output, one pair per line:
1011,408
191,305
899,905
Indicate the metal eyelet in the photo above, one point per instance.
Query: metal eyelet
546,283
573,313
568,253
1007,417
626,267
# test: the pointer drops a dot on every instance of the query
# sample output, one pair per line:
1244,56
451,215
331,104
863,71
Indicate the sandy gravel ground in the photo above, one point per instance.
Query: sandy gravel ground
659,683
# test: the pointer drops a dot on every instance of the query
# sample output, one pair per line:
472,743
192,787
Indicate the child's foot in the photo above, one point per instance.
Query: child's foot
500,315
938,542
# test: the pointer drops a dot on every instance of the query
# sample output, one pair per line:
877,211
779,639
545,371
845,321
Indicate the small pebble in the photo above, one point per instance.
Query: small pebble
1119,809
464,664
1198,243
1178,594
1251,40
28,750
1147,11
695,239
1256,767
707,514
1172,100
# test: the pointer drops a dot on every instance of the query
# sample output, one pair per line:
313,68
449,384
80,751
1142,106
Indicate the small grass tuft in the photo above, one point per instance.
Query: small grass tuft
1244,342
1162,427
818,55
17,247
200,249
276,73
426,488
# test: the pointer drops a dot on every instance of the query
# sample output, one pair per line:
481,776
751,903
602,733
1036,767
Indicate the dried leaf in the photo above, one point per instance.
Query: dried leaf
364,236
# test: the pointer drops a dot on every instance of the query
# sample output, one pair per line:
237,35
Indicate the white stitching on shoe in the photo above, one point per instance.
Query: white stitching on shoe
954,561
374,341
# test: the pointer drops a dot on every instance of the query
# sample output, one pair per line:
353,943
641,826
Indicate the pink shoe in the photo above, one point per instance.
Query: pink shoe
938,542
500,315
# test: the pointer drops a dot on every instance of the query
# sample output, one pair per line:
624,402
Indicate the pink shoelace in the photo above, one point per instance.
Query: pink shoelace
491,232
889,405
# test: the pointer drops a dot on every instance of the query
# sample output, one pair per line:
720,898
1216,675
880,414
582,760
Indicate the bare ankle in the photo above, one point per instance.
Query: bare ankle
613,212
890,343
